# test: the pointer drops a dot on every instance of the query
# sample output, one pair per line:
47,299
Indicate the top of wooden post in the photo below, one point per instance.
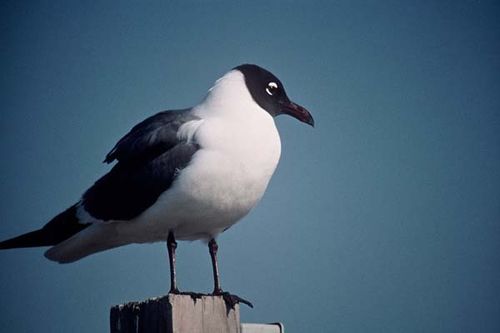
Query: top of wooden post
176,314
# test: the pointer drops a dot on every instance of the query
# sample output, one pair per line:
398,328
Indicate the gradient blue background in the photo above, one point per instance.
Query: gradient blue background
384,218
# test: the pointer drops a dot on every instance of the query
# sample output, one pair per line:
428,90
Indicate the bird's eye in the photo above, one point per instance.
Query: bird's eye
271,88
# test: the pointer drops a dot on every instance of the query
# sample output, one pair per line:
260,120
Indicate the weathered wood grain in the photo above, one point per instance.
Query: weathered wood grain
176,314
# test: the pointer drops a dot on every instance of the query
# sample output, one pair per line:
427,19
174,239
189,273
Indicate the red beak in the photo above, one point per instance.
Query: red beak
298,112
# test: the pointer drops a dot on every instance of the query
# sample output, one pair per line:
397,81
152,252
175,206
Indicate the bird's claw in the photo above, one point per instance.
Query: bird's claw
174,291
230,299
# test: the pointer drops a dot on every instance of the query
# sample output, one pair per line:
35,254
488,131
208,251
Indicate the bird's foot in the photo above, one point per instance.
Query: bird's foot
174,291
194,296
230,299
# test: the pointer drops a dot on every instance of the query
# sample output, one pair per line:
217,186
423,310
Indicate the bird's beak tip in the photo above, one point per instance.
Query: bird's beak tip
298,112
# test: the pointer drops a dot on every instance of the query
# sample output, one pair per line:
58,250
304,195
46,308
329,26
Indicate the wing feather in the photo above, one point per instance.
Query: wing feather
151,137
149,158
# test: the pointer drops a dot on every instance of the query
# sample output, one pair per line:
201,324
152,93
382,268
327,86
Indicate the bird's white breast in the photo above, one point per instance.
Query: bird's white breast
240,149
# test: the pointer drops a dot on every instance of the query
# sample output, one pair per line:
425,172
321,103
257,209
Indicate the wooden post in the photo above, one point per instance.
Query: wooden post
176,314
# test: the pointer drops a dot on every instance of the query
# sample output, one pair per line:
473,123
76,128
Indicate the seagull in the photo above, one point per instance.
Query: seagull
179,175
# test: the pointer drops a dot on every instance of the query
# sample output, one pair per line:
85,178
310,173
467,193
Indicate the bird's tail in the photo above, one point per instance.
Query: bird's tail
72,240
60,228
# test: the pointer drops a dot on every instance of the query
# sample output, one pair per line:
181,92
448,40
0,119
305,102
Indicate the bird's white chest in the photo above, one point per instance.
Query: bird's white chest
236,162
223,182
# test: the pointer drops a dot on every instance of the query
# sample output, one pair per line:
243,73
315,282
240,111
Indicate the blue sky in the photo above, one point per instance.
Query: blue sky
384,218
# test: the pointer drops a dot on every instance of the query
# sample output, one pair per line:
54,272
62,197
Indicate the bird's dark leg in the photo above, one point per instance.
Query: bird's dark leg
171,246
230,299
213,247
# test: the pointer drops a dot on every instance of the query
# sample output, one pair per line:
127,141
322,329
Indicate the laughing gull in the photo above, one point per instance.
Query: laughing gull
185,174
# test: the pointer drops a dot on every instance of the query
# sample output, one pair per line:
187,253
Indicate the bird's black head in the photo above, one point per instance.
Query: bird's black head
268,92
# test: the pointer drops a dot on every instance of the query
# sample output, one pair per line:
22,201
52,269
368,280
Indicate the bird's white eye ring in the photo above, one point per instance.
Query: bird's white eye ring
271,88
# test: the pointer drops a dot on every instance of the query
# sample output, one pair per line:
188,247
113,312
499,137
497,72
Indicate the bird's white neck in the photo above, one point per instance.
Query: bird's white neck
230,97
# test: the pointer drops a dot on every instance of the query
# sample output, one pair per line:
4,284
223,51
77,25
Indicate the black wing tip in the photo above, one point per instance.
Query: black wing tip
60,228
35,238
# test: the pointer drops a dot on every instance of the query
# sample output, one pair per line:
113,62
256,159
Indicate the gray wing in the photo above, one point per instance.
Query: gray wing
149,158
150,137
